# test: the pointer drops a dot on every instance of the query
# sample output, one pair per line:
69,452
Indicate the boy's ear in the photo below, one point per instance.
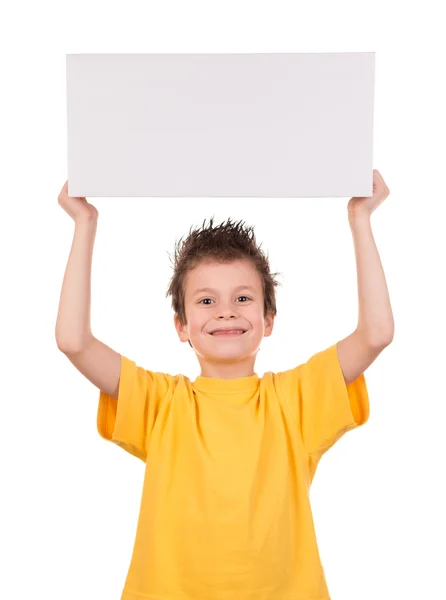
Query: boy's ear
269,325
181,329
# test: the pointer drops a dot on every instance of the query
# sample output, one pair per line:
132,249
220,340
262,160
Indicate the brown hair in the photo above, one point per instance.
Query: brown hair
220,243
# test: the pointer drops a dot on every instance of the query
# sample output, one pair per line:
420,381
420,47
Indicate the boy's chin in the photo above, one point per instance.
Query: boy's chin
227,350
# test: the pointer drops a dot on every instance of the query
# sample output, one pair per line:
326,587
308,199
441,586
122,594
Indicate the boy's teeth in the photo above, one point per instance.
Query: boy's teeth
229,331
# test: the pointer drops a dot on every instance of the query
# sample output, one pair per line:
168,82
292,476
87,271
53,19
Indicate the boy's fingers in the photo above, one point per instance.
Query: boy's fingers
64,189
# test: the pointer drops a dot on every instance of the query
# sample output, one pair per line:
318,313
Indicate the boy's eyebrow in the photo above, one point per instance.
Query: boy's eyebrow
240,287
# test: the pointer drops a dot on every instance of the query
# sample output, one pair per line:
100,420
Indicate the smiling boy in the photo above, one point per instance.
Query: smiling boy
229,457
223,298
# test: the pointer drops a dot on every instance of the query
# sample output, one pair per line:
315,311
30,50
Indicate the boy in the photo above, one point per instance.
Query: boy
230,457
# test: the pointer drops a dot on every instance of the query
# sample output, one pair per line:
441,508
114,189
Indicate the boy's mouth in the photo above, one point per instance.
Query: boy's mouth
228,332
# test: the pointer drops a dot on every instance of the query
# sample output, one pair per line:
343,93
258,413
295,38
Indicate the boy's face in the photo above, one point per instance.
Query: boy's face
233,298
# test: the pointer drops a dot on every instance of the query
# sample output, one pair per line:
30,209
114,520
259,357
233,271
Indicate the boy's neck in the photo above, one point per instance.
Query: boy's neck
227,370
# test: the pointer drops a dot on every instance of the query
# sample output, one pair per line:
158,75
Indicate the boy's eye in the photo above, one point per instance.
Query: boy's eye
211,299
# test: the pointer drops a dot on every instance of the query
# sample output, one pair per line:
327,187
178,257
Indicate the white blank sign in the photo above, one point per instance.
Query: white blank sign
220,125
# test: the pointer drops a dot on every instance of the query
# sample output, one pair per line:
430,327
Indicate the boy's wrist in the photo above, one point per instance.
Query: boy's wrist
358,219
86,221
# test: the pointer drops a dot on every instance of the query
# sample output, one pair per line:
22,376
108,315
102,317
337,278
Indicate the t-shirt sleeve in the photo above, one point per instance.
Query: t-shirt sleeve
128,420
323,406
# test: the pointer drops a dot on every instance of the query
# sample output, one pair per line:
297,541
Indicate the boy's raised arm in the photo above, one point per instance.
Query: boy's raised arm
97,362
375,328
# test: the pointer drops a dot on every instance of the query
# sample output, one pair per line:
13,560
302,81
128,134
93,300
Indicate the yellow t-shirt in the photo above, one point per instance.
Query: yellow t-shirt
225,511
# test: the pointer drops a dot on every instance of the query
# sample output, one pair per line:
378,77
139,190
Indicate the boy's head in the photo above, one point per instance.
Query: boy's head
222,279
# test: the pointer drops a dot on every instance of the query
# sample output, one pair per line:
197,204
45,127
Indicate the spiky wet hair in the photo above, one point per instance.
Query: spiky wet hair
219,243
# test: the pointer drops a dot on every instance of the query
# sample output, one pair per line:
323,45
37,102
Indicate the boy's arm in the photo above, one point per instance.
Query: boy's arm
375,328
97,362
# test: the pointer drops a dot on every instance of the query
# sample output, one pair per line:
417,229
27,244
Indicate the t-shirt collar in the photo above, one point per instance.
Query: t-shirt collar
218,385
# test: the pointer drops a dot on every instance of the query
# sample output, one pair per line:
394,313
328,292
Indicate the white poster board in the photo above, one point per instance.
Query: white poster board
220,125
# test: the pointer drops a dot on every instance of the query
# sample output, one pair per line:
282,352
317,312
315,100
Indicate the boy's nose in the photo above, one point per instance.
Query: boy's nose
226,313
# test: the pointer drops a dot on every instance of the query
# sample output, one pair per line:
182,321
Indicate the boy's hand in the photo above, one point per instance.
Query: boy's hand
365,206
78,208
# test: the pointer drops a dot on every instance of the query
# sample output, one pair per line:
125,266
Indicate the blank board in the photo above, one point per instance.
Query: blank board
220,125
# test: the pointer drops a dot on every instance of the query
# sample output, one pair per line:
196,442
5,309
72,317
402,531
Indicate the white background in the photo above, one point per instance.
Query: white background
70,500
